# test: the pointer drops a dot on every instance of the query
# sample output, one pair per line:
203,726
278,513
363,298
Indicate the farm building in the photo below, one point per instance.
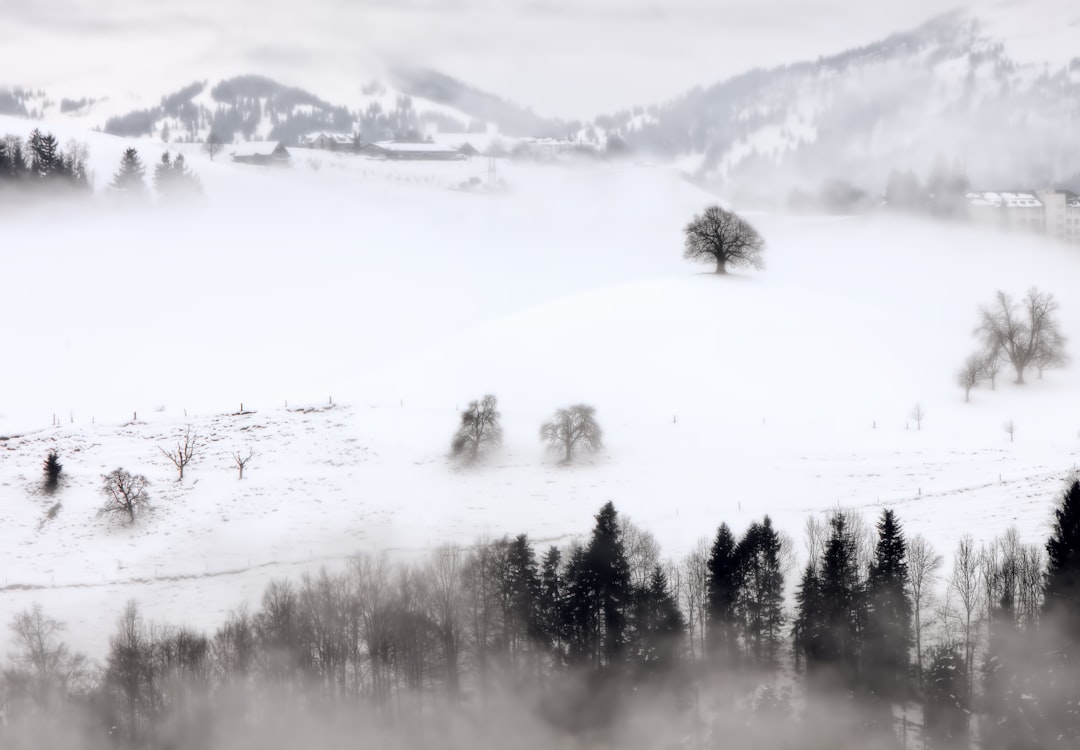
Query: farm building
329,141
260,152
417,151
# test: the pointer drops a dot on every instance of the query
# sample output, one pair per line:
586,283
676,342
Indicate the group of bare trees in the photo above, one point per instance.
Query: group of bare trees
1023,334
571,429
127,495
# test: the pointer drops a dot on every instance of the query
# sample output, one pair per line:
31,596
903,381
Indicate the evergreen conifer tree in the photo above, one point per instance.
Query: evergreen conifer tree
550,603
1062,587
578,615
522,594
808,631
1011,714
45,160
5,160
129,180
609,571
53,468
1059,685
946,724
17,167
659,624
841,603
760,602
722,582
887,640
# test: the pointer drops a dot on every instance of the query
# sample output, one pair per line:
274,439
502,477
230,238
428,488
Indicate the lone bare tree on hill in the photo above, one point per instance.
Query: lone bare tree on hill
722,236
570,428
918,413
186,450
1026,334
125,493
479,429
241,461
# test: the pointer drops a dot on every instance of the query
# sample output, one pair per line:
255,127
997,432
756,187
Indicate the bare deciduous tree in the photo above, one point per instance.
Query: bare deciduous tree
125,494
1010,429
696,594
642,551
991,365
444,571
571,428
965,584
186,450
241,461
212,146
1026,334
923,566
48,670
479,429
722,236
971,374
918,413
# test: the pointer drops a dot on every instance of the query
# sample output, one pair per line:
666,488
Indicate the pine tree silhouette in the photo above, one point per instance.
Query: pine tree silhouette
722,582
1059,684
659,625
611,591
1062,588
887,640
130,179
841,603
945,706
808,631
760,600
53,467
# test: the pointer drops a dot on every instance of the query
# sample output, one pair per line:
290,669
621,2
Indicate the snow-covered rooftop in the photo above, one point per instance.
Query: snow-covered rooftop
255,148
415,147
1009,200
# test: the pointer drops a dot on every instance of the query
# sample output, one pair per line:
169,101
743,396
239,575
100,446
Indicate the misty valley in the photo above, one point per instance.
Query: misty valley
350,404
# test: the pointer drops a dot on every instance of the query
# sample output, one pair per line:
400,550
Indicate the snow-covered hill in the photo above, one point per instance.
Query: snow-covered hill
995,95
785,392
251,107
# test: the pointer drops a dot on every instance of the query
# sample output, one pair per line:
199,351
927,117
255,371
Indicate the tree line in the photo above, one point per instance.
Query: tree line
39,166
580,634
40,163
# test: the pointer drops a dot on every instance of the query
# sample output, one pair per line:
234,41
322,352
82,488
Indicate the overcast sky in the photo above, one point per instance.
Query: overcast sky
571,58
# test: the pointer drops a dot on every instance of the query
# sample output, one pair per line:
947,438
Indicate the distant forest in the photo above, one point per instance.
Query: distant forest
599,643
38,167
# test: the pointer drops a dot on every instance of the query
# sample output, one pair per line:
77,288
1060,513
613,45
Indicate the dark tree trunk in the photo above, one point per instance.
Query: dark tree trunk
721,266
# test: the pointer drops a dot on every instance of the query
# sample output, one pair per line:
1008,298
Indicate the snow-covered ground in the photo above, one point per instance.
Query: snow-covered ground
786,391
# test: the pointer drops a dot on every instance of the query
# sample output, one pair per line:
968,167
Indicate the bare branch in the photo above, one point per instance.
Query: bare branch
186,450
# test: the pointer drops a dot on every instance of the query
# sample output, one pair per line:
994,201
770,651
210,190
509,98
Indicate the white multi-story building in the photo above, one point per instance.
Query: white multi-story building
1052,212
1019,210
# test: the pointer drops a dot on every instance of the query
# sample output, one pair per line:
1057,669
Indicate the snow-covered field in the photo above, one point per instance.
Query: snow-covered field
786,391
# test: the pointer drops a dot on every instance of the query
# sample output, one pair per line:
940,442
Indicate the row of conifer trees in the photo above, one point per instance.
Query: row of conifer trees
581,633
39,165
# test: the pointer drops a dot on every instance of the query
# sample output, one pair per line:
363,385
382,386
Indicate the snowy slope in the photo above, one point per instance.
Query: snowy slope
784,392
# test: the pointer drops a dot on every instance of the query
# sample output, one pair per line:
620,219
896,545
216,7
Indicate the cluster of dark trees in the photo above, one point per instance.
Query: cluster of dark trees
173,180
588,636
40,165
